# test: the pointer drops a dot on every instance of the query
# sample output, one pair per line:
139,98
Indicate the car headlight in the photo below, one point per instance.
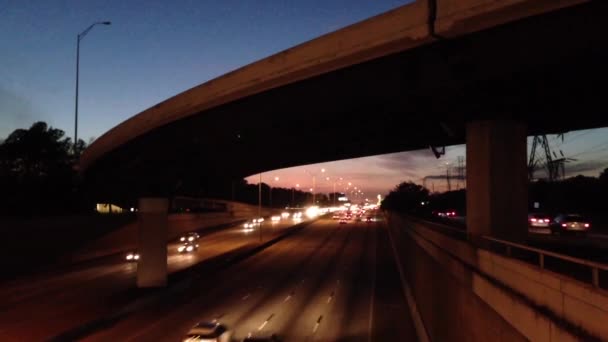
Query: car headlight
129,256
182,239
190,238
180,248
189,248
136,257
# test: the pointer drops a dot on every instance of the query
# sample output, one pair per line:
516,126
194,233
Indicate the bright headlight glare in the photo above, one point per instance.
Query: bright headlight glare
189,249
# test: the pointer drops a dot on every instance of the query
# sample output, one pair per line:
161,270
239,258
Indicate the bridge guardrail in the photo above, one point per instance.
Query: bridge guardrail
594,267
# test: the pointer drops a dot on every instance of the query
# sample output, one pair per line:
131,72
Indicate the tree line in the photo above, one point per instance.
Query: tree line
38,176
581,194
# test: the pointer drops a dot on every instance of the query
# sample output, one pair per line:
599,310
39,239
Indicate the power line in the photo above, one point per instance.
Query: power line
591,149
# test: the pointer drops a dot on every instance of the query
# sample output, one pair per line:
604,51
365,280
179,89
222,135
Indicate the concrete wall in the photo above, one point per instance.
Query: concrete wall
467,294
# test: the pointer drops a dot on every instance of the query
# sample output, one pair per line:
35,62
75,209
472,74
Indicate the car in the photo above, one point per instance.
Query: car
192,236
132,256
188,247
570,223
368,219
449,213
208,332
343,220
539,220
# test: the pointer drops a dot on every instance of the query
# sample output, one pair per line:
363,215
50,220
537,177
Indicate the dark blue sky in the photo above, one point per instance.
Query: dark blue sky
156,49
152,50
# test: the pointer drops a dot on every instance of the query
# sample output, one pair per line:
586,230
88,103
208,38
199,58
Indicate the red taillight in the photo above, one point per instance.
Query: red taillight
533,220
546,220
564,225
587,225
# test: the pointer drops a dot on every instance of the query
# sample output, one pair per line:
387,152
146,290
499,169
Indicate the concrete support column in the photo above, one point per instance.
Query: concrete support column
497,182
152,242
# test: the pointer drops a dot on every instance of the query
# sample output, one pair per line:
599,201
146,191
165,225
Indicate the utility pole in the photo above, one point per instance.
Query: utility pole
447,174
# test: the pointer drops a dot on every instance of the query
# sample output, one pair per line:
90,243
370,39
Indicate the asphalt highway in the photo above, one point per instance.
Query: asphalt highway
328,282
38,307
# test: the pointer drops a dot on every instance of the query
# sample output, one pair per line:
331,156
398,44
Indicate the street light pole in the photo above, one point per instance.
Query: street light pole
260,205
313,190
76,104
334,193
78,38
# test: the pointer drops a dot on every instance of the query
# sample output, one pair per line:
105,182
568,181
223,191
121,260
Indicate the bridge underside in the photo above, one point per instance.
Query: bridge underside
549,71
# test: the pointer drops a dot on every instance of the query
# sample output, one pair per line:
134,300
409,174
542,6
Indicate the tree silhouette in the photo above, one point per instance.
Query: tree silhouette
604,176
406,196
36,171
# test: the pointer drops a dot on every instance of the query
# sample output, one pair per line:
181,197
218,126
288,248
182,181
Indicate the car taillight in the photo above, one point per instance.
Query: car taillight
546,220
533,219
587,225
564,225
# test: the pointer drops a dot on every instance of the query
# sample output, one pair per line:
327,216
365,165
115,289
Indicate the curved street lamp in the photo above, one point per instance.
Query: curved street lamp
78,39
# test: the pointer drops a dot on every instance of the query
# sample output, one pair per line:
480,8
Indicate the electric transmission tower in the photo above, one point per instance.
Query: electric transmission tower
460,171
555,165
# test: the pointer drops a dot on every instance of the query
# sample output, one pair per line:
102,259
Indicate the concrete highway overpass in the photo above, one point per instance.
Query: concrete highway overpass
403,80
431,73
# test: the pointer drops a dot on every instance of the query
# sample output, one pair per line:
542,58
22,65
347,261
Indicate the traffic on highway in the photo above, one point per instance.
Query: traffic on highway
318,282
59,300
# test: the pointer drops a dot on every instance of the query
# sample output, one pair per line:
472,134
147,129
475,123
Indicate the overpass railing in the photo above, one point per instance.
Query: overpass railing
593,267
590,272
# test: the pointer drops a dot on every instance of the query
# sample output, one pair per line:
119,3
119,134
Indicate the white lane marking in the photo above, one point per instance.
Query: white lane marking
262,326
314,329
287,298
331,296
265,322
246,296
370,325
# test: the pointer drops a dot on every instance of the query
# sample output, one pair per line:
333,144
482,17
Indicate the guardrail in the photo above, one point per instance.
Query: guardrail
594,266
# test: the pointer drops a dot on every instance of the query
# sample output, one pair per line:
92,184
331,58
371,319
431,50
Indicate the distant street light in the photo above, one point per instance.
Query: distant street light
78,39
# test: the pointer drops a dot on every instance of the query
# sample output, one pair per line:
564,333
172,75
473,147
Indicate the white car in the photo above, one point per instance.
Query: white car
208,332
